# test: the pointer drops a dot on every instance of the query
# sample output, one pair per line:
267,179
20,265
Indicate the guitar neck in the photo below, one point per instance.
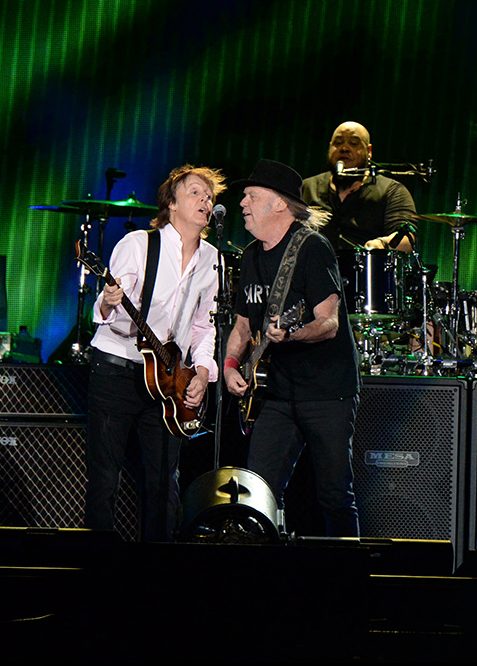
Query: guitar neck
258,351
142,325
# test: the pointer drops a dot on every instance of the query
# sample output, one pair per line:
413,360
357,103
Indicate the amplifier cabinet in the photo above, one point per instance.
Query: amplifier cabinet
43,478
473,475
35,391
409,458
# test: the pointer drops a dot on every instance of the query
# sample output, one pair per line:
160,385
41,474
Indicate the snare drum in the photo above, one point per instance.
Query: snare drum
374,282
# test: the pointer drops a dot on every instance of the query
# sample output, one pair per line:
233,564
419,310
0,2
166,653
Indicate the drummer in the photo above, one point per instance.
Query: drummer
368,210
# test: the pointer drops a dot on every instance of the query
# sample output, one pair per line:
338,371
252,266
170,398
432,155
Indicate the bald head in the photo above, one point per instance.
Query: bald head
350,143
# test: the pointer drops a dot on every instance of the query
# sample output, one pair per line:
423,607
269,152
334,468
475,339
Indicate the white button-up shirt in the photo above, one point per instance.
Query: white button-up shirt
181,303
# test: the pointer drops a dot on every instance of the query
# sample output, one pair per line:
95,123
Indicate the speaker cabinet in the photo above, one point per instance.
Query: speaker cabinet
409,458
43,478
473,475
34,391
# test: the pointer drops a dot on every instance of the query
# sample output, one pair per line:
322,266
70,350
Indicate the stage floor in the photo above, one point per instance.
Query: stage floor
82,597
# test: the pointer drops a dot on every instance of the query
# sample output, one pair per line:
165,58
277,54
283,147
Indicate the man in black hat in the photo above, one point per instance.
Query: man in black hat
303,387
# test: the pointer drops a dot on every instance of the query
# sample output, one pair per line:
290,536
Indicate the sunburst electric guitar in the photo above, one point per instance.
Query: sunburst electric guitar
165,375
255,368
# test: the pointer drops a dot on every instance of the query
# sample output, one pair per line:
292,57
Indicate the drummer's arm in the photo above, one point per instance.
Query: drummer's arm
383,243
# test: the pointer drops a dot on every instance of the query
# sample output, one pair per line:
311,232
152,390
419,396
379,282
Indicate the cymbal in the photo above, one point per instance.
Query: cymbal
57,209
453,219
371,317
130,207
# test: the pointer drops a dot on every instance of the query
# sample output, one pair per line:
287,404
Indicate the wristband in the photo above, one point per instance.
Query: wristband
231,362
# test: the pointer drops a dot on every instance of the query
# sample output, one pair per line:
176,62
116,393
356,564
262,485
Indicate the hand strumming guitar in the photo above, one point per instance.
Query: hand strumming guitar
195,392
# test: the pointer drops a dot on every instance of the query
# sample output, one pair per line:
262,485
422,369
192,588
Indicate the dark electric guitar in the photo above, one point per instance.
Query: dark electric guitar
165,375
255,368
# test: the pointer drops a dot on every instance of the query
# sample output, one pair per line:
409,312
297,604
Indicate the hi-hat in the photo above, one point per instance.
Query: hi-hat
130,207
455,219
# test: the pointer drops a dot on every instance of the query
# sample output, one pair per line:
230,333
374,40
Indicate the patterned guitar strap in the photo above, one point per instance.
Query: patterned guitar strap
282,281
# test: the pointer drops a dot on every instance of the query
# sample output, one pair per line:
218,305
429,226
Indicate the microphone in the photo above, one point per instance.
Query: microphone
111,172
219,211
405,229
339,167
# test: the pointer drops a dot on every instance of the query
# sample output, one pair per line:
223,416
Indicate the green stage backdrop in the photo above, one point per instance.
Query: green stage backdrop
143,86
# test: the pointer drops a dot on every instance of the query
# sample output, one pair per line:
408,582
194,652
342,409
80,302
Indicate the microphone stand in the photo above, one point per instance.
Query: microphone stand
222,315
373,168
112,175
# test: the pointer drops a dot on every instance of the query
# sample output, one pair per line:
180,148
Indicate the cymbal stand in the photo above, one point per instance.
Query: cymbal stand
458,233
77,352
425,356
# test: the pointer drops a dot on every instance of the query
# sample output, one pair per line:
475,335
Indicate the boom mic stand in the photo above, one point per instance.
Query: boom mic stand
385,169
112,175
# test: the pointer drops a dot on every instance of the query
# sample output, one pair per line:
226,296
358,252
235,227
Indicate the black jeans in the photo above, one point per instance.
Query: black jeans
327,427
118,402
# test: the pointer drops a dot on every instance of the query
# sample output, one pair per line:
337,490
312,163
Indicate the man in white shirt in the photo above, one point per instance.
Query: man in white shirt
154,380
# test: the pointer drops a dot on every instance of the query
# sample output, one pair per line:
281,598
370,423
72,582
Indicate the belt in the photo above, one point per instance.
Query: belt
116,360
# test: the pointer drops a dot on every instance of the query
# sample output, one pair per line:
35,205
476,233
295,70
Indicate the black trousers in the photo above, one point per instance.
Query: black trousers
118,402
282,430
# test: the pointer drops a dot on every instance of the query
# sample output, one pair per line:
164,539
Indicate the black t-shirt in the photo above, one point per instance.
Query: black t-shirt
375,209
298,370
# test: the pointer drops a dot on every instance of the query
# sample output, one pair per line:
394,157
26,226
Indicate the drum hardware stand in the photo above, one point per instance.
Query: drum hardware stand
425,356
78,353
458,233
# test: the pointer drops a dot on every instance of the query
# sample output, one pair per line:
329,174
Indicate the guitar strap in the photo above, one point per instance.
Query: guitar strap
152,262
282,281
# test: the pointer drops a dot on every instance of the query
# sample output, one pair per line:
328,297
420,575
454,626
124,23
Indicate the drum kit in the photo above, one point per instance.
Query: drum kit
403,321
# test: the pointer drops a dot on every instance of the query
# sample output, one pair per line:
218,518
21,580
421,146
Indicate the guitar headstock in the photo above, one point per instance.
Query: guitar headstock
92,262
292,319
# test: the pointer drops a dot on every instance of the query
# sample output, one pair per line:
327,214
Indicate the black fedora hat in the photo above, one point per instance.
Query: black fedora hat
275,176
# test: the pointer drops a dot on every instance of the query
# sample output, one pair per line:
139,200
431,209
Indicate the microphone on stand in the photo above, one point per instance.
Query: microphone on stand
339,168
111,172
218,212
405,229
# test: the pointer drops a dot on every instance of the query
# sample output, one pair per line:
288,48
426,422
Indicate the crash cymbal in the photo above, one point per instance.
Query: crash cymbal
453,219
130,207
367,318
58,209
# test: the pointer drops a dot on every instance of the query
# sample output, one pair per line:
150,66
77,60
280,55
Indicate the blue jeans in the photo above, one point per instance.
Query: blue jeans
327,426
118,403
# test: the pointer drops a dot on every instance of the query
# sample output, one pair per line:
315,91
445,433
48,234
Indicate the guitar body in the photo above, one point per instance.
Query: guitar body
255,369
169,385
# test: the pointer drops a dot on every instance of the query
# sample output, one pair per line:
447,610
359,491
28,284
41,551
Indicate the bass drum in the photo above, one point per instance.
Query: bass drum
374,283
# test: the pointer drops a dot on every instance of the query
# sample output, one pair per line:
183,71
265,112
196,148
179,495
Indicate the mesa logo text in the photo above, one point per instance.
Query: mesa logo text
392,458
